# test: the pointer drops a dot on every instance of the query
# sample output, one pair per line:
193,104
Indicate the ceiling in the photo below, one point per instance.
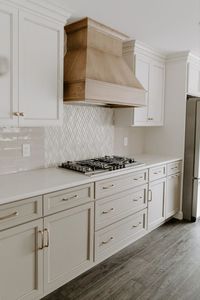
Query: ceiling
168,25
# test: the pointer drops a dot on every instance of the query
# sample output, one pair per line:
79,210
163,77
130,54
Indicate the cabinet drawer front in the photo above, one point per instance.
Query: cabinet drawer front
16,213
175,167
68,198
157,172
112,186
116,207
115,237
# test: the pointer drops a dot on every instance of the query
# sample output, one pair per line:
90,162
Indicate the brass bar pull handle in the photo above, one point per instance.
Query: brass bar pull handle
108,187
70,198
150,193
174,168
106,242
134,226
15,214
137,199
107,211
138,178
156,173
47,243
42,240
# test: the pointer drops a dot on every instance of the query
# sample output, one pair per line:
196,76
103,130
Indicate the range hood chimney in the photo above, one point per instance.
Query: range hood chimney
95,71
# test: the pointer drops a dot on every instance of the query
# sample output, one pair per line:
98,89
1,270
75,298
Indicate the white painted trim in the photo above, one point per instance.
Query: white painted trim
137,47
179,215
43,7
178,56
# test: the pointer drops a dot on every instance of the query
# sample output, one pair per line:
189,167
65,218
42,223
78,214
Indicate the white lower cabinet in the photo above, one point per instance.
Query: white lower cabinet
156,203
38,257
68,245
173,194
21,262
113,238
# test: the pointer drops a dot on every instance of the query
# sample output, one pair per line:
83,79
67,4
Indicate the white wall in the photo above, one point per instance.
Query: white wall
136,141
169,140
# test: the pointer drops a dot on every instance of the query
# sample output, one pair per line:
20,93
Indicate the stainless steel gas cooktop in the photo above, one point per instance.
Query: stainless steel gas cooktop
101,164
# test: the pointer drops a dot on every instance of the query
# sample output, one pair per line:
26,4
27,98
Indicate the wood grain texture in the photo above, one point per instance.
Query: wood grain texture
165,264
94,54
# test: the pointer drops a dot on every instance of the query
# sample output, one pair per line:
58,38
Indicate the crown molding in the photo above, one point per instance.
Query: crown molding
47,8
178,56
141,48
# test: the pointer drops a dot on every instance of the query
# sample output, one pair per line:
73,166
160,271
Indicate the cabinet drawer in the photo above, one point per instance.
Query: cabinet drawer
115,237
118,184
117,207
16,213
175,167
68,198
157,172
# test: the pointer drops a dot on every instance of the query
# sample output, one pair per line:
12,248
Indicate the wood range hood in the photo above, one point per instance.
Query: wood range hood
95,70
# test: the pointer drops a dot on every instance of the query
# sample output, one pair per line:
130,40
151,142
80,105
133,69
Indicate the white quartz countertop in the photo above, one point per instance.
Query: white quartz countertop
18,186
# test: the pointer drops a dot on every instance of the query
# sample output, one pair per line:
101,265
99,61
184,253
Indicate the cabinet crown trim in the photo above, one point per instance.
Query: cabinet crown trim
139,47
47,8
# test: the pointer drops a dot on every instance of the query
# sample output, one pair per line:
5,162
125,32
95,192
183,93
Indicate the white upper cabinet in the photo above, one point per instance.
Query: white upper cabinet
8,65
193,73
31,87
156,94
149,69
142,71
40,70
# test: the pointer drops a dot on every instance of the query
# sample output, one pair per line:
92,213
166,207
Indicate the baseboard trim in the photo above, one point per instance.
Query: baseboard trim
179,215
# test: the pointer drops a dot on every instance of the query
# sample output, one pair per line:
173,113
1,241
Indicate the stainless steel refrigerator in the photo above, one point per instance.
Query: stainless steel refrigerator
191,182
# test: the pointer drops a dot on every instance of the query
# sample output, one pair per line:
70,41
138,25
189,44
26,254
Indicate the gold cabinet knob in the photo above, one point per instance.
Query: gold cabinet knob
16,114
21,114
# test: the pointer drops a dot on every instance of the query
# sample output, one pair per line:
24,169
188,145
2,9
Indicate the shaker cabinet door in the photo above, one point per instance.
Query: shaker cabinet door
68,242
173,194
40,70
142,73
156,94
156,203
8,65
21,261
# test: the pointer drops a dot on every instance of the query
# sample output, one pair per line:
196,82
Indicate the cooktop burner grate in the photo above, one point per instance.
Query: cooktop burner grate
100,164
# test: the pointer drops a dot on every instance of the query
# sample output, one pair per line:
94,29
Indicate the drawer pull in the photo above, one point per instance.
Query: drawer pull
108,187
70,198
47,243
107,211
135,200
150,198
134,226
174,168
156,173
174,176
138,178
42,240
106,242
15,214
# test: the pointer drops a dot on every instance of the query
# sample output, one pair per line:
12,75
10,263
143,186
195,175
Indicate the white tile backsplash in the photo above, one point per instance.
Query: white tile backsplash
11,141
87,132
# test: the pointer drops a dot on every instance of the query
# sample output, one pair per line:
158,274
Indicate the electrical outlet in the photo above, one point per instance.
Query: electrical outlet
26,150
125,141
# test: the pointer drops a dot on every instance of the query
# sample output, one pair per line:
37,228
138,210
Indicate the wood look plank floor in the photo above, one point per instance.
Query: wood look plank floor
164,265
